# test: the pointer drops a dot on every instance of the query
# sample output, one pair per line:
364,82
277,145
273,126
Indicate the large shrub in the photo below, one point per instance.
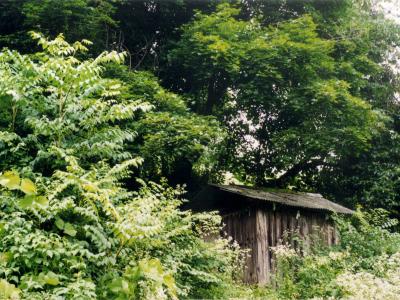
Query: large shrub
69,229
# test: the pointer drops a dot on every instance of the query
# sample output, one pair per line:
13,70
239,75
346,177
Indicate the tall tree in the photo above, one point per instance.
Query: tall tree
293,103
148,28
77,19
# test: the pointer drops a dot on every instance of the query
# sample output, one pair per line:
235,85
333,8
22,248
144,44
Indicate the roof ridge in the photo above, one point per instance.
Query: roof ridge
304,199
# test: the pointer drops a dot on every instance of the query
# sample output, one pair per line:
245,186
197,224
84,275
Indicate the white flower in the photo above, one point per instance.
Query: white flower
337,255
284,251
364,285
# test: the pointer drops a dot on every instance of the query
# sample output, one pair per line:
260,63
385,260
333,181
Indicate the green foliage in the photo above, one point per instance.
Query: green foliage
8,291
78,19
364,45
265,83
369,236
208,56
69,228
371,179
242,62
175,143
308,99
154,29
364,263
128,286
69,97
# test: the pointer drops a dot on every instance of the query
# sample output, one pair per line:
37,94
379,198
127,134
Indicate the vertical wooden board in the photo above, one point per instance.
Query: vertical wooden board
258,251
285,221
242,218
285,227
292,226
316,229
258,254
326,232
330,235
305,233
272,233
262,242
301,231
244,225
251,230
228,226
253,239
300,226
314,224
233,229
267,245
310,224
321,222
336,236
237,228
288,228
278,227
272,225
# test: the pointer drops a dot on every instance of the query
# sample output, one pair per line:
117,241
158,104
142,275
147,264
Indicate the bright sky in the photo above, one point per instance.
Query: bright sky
391,8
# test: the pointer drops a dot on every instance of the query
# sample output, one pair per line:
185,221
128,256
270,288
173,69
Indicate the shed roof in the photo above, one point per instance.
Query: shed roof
296,199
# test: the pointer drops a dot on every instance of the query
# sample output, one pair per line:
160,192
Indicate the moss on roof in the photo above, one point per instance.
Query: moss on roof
284,197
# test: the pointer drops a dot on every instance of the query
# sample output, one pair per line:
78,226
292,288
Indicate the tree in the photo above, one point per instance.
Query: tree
208,56
367,41
153,29
286,109
78,19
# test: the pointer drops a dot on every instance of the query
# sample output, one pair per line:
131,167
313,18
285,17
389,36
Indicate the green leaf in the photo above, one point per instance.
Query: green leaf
28,187
169,282
52,279
42,201
119,286
32,201
69,229
10,180
27,201
59,223
90,187
152,269
5,257
8,291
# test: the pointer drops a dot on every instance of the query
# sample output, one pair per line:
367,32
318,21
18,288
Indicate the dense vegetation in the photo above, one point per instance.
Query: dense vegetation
113,112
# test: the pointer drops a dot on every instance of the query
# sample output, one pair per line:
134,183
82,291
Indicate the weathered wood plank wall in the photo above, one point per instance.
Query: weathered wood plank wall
260,229
241,226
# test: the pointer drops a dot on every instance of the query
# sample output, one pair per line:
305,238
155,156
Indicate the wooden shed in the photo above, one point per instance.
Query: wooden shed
259,219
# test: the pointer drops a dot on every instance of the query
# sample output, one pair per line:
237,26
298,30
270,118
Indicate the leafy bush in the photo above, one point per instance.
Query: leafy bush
69,229
174,142
364,265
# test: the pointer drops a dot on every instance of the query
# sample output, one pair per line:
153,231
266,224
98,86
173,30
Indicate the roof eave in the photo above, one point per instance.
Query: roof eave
241,190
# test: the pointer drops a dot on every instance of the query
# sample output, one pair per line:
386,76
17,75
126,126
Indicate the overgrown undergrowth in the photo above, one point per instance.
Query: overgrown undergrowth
365,265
